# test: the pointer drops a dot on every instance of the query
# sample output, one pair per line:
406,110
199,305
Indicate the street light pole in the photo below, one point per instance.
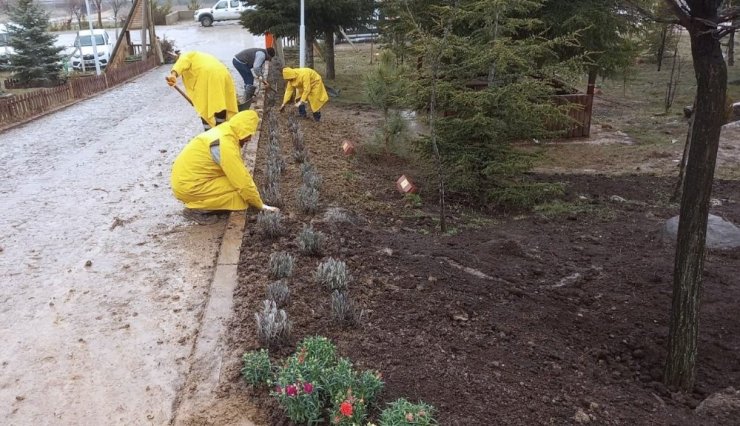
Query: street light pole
302,31
92,39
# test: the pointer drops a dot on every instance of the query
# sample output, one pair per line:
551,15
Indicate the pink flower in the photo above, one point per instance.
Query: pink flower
278,389
409,417
307,387
346,408
291,390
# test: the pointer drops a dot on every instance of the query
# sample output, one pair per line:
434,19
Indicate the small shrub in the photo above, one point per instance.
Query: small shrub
310,242
333,274
257,369
271,193
270,224
279,292
273,326
193,5
312,180
402,412
343,309
308,199
281,265
300,156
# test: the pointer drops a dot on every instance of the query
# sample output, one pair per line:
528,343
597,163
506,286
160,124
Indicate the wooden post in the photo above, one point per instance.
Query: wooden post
144,25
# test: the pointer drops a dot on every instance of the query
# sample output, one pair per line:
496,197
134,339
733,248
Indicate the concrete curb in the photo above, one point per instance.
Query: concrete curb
206,360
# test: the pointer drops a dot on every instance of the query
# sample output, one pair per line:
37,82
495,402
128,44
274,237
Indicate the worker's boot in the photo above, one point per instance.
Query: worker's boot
302,111
316,116
202,217
249,91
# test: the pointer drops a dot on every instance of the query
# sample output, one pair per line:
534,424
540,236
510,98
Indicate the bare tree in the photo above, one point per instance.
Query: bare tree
98,6
117,6
76,9
702,19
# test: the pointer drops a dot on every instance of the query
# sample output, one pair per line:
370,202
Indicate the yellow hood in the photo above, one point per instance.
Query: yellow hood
289,73
243,124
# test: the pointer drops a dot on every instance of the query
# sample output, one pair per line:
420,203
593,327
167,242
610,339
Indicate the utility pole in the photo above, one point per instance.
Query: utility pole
93,40
302,30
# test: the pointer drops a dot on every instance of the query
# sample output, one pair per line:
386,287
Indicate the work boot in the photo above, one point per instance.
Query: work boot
317,116
202,217
302,111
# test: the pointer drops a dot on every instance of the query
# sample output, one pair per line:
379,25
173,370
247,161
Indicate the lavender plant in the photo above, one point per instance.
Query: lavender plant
333,274
281,265
279,292
343,309
310,242
270,224
308,199
273,326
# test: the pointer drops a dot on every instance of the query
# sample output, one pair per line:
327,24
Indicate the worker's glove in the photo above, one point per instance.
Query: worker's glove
299,104
267,208
282,108
171,80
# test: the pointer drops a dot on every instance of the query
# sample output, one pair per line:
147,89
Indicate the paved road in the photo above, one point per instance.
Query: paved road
103,282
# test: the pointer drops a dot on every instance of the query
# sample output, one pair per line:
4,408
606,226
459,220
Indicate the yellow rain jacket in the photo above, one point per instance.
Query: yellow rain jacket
202,183
209,85
307,84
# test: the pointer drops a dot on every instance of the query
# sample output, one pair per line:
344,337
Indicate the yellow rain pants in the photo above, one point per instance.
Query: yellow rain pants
308,86
202,183
209,85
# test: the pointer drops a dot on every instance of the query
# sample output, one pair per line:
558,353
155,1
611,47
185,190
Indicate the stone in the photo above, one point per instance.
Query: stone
721,234
688,110
724,404
581,417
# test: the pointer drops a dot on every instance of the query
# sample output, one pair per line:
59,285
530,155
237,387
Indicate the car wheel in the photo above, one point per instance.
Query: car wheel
206,21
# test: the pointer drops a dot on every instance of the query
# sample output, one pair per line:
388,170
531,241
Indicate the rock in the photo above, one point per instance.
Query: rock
724,404
88,263
688,111
735,112
617,199
581,417
386,251
721,234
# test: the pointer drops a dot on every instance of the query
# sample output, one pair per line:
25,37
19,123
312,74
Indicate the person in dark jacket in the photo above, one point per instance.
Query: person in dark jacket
249,63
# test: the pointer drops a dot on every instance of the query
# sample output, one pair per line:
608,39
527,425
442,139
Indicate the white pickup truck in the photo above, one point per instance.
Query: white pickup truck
224,10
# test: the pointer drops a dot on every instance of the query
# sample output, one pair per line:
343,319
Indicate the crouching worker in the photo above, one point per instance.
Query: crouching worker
209,86
209,175
308,86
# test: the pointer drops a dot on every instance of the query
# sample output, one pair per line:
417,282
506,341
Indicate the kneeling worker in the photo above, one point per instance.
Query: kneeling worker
209,175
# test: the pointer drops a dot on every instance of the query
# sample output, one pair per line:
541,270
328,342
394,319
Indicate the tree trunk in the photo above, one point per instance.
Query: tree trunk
661,46
731,49
309,50
329,56
711,79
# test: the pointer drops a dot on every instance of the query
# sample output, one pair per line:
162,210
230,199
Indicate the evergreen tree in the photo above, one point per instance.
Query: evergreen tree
495,45
323,20
36,58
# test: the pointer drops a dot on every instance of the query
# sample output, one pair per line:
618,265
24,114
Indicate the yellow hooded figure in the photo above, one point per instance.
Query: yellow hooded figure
209,85
308,86
209,174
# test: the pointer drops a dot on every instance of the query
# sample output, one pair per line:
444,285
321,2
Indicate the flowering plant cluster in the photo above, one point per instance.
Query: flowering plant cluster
257,367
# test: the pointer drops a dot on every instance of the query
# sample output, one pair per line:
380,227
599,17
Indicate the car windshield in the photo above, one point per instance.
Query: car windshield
87,40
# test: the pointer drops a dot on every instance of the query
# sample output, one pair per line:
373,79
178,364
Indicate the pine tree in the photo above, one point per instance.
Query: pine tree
36,58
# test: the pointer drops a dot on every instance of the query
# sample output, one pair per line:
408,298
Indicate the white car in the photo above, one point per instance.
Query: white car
224,10
84,55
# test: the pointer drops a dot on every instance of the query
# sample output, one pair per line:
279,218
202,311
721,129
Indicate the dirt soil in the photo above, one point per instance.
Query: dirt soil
509,319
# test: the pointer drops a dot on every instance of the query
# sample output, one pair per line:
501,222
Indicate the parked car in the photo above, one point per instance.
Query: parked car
5,49
224,10
84,52
359,35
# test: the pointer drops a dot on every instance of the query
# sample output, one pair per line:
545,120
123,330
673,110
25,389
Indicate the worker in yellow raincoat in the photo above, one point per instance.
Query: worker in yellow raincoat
308,86
209,86
209,175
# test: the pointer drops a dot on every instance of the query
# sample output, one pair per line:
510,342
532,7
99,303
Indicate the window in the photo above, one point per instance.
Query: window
221,5
87,40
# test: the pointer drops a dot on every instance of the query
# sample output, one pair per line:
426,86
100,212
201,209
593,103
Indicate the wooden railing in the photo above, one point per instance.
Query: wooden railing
18,108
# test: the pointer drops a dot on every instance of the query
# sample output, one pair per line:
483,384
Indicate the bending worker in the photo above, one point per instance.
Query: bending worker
308,86
209,175
249,64
209,85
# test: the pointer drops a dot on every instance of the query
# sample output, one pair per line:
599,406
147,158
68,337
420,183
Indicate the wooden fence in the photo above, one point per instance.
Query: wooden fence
18,108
